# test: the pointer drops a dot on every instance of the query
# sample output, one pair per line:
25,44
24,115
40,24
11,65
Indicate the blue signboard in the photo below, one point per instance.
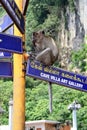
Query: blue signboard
14,12
5,69
10,43
6,55
5,23
56,75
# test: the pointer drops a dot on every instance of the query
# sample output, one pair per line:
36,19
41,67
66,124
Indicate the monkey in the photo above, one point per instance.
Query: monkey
45,48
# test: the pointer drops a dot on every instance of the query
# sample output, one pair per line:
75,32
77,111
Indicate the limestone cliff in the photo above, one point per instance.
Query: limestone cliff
73,29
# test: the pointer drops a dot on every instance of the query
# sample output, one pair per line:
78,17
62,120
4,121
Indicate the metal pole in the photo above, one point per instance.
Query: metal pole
10,113
74,119
50,96
18,84
74,107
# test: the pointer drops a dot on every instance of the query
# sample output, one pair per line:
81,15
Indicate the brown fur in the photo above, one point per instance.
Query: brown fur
45,47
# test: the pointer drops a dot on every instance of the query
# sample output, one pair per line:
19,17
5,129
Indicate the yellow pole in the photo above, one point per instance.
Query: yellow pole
18,85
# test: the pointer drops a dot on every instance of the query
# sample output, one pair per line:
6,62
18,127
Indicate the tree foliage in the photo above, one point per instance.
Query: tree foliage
37,102
79,58
43,15
5,95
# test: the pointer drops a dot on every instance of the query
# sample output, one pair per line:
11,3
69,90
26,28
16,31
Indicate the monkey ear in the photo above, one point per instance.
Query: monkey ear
43,32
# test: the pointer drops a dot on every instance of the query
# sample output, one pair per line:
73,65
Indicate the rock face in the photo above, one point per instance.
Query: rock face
73,29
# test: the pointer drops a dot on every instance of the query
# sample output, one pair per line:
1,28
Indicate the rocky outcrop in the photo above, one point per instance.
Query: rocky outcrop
73,29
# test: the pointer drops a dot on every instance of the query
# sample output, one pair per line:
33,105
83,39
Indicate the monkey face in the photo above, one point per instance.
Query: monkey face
38,36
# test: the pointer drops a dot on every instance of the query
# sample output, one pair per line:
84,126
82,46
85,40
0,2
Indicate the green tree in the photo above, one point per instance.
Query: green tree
79,58
5,95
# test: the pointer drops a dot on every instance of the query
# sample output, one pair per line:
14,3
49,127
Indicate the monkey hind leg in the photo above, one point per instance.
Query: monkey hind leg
45,57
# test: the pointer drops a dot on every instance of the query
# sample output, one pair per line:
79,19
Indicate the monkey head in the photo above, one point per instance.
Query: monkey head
38,37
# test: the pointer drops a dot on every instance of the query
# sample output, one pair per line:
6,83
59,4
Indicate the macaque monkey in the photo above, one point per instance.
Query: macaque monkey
45,48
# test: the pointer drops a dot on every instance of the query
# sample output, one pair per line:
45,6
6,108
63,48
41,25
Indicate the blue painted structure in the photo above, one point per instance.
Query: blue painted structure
14,12
5,69
56,75
5,23
6,55
10,43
